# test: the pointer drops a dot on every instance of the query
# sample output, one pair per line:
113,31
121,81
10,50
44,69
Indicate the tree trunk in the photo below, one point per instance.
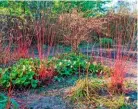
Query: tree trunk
75,46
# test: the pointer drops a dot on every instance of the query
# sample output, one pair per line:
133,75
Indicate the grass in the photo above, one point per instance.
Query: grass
95,91
85,88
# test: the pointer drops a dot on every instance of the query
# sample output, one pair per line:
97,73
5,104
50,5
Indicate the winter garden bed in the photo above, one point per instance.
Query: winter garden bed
63,82
68,54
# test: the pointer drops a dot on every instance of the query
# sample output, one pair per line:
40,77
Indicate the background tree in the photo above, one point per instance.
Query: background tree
89,8
76,28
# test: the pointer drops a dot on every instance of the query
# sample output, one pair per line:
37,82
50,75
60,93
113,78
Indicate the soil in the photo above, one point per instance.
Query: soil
52,96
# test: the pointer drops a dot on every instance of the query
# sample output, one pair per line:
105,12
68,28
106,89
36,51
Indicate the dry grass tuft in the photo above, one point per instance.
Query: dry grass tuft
95,92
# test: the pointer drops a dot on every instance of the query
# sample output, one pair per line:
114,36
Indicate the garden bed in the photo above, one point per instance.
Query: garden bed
56,92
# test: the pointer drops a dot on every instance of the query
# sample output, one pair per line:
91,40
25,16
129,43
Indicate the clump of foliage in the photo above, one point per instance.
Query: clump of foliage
92,91
72,63
33,72
95,68
69,64
85,88
114,102
4,100
26,72
106,42
14,8
21,74
99,69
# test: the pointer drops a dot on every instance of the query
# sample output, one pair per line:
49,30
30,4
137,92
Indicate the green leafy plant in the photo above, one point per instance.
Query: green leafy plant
20,74
95,68
69,64
99,69
72,63
4,100
27,72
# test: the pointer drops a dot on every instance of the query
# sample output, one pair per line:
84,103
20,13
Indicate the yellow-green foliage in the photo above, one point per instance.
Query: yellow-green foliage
88,91
4,11
113,102
86,88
